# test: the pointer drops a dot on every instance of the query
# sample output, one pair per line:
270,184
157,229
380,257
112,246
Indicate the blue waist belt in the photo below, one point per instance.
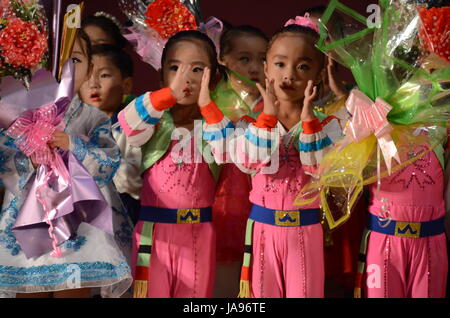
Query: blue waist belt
176,216
284,218
406,229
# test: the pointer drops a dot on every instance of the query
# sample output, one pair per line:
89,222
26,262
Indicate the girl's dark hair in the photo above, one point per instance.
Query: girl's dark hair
108,26
226,40
118,57
189,36
87,49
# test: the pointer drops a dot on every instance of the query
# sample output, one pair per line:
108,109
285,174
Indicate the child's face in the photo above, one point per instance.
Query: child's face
292,61
247,58
97,35
192,55
81,64
106,86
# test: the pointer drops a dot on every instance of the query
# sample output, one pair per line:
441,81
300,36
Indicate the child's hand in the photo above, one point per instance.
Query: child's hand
60,140
334,83
178,84
204,97
271,103
310,95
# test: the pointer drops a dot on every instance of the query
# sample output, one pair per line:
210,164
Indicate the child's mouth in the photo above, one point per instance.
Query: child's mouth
95,97
287,87
187,92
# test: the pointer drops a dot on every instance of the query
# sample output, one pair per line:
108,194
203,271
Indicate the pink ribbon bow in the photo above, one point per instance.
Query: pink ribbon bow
369,118
304,21
32,132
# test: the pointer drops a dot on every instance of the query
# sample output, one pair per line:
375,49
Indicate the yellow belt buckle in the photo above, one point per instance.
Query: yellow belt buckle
407,229
287,218
188,216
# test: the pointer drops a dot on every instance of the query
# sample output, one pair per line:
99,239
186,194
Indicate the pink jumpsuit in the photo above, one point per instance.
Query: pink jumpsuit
399,267
182,262
287,262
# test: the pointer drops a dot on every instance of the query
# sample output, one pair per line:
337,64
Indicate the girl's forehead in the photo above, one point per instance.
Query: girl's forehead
188,50
249,42
293,44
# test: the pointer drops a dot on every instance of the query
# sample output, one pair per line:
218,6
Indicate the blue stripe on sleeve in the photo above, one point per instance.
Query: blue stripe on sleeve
315,145
259,142
219,134
143,113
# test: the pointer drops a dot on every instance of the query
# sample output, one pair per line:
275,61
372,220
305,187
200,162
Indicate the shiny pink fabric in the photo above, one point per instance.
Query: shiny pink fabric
182,264
409,267
279,190
172,186
287,262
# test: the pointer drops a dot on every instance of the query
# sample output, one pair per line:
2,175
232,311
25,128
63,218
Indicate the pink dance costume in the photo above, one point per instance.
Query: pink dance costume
174,226
406,249
283,247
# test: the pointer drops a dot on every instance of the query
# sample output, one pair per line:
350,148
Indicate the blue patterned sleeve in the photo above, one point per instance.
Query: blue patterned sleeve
98,152
15,168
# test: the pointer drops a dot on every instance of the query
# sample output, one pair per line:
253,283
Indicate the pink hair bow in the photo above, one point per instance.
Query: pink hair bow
304,21
369,118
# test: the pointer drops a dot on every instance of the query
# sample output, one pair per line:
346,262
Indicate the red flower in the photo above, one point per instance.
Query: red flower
434,33
22,44
168,17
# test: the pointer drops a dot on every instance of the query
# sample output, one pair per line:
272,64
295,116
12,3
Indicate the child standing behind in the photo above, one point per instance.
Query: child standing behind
242,53
110,79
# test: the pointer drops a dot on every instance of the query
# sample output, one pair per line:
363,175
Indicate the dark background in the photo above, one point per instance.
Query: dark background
266,15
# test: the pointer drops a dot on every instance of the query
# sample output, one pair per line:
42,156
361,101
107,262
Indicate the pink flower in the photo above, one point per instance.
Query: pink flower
22,44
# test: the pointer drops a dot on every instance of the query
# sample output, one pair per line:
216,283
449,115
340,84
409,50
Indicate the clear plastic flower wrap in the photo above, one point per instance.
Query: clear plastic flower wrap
23,39
154,22
398,104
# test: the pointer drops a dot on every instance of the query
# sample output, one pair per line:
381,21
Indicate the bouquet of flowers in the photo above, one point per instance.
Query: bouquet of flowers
397,107
23,39
154,22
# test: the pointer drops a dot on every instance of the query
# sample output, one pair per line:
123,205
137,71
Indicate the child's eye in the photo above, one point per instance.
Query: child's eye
105,75
244,59
304,67
279,64
174,68
197,69
76,60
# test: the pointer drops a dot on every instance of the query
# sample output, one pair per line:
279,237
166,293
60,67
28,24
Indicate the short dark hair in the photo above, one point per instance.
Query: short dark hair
108,26
118,57
193,35
226,40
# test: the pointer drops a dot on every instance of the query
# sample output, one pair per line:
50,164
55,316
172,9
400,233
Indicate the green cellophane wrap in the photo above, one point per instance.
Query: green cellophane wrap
385,56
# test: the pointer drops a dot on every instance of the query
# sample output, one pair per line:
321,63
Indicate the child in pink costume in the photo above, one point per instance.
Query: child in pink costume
410,260
284,248
174,225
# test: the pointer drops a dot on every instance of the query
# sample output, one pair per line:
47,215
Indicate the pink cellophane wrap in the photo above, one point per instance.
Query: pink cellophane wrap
369,118
149,45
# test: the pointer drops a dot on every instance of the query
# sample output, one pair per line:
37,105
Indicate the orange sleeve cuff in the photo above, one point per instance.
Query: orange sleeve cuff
212,113
312,126
162,99
266,121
